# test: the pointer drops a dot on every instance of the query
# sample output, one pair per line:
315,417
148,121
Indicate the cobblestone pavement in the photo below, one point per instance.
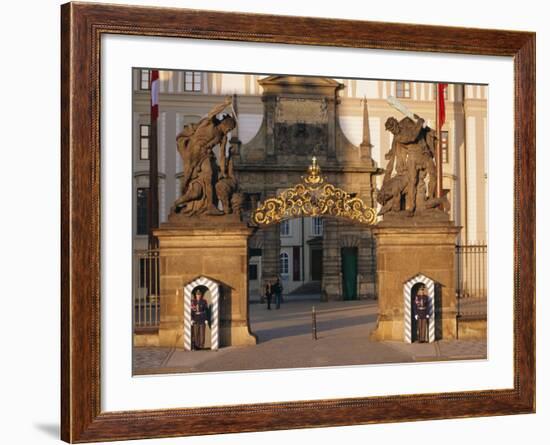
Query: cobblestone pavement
285,341
148,358
454,350
442,350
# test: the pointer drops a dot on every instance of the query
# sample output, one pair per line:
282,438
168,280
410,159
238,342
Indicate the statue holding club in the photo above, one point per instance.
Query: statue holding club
410,166
204,178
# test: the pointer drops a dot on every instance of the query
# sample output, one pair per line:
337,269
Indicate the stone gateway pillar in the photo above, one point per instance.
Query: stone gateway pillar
190,250
271,248
416,236
405,248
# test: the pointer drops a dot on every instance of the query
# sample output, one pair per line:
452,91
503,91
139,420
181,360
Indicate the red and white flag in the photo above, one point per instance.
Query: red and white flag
441,103
155,83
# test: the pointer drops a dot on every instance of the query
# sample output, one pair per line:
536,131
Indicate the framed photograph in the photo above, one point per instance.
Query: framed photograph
267,227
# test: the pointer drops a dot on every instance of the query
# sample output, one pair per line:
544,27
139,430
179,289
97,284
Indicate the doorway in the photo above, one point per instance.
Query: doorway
349,273
316,264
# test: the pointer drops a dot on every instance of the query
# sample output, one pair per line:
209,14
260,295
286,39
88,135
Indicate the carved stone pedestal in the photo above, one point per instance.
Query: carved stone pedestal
407,247
212,247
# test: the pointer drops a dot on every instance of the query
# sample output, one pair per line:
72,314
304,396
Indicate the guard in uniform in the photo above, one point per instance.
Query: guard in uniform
422,313
199,317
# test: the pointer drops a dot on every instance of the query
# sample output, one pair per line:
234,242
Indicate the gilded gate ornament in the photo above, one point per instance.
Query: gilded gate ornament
313,197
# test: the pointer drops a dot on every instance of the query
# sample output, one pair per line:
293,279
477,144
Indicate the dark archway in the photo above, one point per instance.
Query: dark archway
347,258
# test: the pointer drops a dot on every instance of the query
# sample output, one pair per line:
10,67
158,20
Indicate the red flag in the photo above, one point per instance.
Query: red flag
154,95
441,102
153,205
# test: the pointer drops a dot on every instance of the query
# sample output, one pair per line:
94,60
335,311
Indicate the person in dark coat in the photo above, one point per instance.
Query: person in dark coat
278,291
268,293
422,313
199,318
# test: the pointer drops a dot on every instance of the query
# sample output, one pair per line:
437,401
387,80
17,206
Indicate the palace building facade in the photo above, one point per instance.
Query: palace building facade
285,120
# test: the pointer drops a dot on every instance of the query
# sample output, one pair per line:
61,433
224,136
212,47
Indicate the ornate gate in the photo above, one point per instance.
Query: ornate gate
313,197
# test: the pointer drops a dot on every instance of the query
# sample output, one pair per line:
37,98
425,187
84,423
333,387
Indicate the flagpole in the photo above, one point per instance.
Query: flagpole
153,202
438,152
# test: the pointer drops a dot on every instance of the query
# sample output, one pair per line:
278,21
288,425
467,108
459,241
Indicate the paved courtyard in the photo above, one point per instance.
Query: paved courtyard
285,341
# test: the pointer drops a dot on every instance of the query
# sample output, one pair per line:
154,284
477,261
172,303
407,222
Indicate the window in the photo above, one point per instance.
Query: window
251,201
142,222
144,79
283,263
317,225
144,135
253,251
403,90
193,81
445,147
285,228
252,271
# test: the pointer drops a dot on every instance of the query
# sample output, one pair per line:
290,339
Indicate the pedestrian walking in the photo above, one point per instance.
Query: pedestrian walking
268,293
278,292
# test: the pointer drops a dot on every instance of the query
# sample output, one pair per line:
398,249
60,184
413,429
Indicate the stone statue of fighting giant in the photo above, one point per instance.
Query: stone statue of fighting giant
410,166
204,181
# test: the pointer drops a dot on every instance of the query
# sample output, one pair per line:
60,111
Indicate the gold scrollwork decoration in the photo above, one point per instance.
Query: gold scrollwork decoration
313,197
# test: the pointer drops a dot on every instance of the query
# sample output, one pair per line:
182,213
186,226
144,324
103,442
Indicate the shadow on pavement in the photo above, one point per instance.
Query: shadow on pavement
292,320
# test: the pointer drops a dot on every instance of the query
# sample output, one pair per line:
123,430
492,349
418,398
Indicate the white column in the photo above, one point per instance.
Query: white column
179,164
485,177
471,178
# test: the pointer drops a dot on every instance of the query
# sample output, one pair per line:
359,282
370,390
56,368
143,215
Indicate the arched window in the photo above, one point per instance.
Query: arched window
283,263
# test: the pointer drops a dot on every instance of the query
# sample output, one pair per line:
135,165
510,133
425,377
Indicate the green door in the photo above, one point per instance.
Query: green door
349,272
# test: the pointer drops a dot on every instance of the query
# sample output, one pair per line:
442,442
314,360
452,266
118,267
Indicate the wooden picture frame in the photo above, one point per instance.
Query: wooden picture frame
82,26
